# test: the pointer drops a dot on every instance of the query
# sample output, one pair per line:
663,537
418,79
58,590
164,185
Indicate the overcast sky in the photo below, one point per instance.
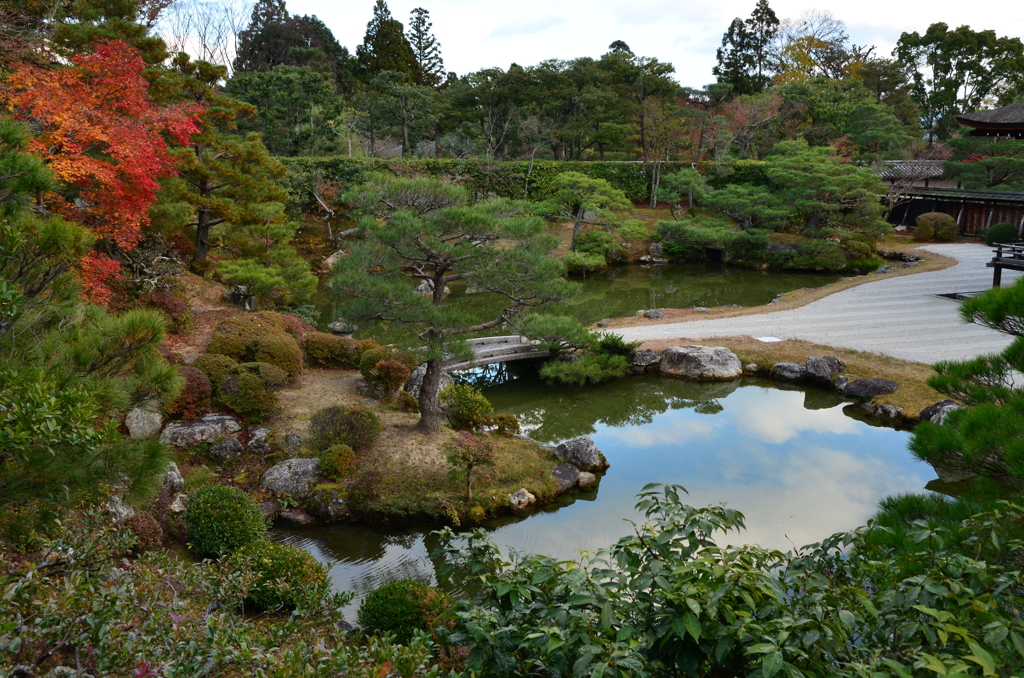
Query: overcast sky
478,34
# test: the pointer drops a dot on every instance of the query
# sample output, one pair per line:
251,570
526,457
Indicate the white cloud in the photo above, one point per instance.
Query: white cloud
530,27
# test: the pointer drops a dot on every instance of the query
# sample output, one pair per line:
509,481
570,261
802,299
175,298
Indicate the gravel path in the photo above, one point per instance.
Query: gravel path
899,317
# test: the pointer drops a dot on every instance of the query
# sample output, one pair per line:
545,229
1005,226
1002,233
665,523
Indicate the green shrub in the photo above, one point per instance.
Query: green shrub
221,520
580,262
272,376
287,576
372,357
595,242
633,229
937,226
260,337
199,476
403,607
819,255
147,532
215,366
590,368
248,396
358,429
466,408
614,344
329,350
406,402
337,462
858,250
193,400
1001,233
507,424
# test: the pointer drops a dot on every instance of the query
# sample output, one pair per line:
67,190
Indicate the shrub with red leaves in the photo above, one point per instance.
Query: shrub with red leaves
146,530
175,309
194,399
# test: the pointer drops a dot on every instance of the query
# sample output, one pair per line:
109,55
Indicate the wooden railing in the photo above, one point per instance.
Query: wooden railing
1006,256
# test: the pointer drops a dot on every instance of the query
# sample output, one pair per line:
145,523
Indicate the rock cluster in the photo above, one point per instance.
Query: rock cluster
582,453
292,477
206,429
701,363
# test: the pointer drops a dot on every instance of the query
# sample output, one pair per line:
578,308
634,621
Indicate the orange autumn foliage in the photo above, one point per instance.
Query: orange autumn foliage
102,135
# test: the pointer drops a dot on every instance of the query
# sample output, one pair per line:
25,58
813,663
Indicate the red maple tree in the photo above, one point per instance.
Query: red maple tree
102,135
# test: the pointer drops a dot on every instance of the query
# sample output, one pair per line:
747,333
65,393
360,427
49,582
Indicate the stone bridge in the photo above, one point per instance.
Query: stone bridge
491,350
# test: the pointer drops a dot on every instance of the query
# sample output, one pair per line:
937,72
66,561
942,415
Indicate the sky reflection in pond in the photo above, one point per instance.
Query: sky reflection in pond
790,458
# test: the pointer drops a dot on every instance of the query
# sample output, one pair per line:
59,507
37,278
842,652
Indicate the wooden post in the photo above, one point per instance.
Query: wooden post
960,214
991,213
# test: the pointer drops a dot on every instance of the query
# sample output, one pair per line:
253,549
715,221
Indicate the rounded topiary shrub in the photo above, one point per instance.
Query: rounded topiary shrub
174,308
467,408
506,424
194,398
272,376
370,359
337,462
283,352
401,607
222,520
286,576
358,428
215,366
329,350
248,395
1001,233
258,337
146,530
936,226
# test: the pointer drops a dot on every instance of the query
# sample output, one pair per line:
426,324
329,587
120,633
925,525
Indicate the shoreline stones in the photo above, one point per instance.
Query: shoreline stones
292,476
327,504
869,388
206,429
701,363
586,479
566,476
789,371
938,412
582,453
521,499
343,327
824,368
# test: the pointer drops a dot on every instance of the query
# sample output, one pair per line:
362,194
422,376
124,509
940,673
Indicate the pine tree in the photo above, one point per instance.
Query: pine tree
762,27
735,60
267,39
385,47
425,48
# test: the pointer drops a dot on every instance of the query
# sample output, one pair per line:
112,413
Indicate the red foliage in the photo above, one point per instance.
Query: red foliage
176,309
99,272
194,399
102,134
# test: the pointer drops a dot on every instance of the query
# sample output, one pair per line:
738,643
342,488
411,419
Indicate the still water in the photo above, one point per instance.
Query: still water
621,291
799,462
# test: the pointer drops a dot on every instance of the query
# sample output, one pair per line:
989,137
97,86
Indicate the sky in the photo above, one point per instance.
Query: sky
477,34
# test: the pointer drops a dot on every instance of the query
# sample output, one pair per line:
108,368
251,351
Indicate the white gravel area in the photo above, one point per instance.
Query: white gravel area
900,317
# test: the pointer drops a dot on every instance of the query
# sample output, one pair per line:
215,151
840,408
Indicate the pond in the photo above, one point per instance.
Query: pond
622,291
799,462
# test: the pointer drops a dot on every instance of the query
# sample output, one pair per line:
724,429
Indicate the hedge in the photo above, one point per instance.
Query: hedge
479,176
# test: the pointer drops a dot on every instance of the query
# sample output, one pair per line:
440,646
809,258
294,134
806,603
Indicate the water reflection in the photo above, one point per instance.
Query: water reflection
791,459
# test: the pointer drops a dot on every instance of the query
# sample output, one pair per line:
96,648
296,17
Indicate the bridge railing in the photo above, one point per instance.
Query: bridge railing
1007,255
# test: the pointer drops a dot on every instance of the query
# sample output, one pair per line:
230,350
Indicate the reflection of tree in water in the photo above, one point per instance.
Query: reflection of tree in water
553,412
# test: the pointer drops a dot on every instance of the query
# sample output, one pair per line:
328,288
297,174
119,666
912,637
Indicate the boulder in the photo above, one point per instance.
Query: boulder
330,261
205,430
646,358
789,371
824,368
938,412
260,442
521,499
869,388
890,413
701,309
120,510
226,450
841,382
426,288
750,368
566,476
343,327
654,314
587,479
702,363
656,250
412,385
296,517
179,504
292,476
882,270
241,297
582,453
270,508
143,422
172,480
327,503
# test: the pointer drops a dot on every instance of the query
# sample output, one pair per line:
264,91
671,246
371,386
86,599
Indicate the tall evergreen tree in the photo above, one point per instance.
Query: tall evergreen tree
762,27
385,47
267,40
735,59
425,48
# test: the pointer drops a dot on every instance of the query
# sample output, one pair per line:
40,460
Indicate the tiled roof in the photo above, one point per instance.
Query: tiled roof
1005,116
910,169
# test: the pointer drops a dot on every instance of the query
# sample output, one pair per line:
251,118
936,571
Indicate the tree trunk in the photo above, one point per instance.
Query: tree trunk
202,235
469,485
430,409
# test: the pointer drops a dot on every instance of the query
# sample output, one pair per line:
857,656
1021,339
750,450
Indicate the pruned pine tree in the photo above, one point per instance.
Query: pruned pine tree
425,48
423,232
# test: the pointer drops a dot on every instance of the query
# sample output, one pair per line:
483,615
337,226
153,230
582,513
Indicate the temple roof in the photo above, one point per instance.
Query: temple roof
1007,117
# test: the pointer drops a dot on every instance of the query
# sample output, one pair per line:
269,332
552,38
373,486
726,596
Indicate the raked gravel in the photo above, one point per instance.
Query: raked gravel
900,317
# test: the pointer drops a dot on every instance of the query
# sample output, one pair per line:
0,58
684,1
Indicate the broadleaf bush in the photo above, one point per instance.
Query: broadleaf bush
357,428
221,520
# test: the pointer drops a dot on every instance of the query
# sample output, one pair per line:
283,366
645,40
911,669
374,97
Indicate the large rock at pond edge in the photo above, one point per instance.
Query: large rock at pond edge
582,453
824,368
296,517
412,385
343,327
143,422
327,504
566,476
205,430
938,412
521,499
869,388
646,358
587,479
172,480
225,450
789,371
701,363
293,477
